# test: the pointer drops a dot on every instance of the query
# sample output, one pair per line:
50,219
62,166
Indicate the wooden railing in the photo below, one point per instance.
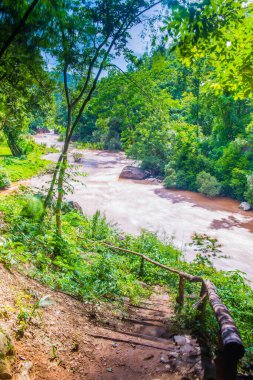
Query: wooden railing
230,348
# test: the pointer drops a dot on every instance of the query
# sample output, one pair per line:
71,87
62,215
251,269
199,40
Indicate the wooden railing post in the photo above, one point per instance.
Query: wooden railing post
201,307
141,271
180,297
225,364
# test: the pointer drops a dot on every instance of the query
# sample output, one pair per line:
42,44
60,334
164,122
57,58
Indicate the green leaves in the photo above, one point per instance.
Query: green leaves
220,31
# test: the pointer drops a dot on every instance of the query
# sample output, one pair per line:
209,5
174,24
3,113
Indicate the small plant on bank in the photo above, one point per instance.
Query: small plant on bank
26,314
170,181
4,179
77,157
206,247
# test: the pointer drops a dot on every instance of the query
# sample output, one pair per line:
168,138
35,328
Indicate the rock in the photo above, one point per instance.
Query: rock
5,372
75,205
25,371
148,357
180,340
187,348
6,347
42,130
173,355
164,359
245,206
132,172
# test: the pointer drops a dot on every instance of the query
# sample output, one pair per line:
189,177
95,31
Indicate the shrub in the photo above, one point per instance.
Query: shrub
33,208
170,181
249,189
4,179
77,157
208,184
113,143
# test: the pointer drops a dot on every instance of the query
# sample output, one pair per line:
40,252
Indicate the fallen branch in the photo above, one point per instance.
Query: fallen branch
132,342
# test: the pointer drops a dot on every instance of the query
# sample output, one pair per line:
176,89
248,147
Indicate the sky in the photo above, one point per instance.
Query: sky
138,43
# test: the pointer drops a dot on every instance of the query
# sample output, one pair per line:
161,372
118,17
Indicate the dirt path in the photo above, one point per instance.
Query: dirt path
71,342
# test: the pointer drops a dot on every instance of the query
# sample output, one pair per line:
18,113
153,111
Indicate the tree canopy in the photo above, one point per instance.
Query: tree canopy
221,31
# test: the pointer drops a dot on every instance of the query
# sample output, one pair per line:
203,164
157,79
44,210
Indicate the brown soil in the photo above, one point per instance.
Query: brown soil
14,187
69,341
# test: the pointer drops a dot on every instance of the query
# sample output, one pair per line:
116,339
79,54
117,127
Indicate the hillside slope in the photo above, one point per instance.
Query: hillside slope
70,340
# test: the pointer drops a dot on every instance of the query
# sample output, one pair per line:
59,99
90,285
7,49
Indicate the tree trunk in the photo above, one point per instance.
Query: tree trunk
60,196
12,142
49,196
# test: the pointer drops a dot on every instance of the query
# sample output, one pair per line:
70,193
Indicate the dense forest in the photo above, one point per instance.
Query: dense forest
182,111
171,118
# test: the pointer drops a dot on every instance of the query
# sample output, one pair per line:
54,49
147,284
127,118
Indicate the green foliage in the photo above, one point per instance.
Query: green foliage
221,31
249,189
170,180
33,208
77,156
208,184
238,182
4,179
206,248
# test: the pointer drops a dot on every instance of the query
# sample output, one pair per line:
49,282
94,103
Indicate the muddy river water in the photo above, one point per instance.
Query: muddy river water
136,205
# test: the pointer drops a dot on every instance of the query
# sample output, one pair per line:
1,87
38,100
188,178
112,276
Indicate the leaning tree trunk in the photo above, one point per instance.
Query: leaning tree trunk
49,196
60,191
12,142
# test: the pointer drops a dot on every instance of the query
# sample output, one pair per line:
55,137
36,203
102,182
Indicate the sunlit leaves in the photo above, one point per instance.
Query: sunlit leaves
220,31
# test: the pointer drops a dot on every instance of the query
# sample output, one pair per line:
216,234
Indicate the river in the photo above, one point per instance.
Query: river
175,214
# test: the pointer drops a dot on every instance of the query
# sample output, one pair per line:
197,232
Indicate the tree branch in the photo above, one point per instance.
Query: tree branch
18,28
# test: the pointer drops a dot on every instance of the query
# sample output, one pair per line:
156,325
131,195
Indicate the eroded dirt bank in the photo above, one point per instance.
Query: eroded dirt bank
177,214
69,340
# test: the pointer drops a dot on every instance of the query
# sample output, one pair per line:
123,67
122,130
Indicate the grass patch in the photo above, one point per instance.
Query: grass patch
5,150
21,168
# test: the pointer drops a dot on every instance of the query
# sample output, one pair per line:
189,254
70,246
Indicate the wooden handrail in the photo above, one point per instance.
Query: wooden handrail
232,348
187,276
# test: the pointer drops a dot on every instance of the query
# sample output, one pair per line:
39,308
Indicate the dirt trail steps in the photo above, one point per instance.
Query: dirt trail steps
66,344
153,351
